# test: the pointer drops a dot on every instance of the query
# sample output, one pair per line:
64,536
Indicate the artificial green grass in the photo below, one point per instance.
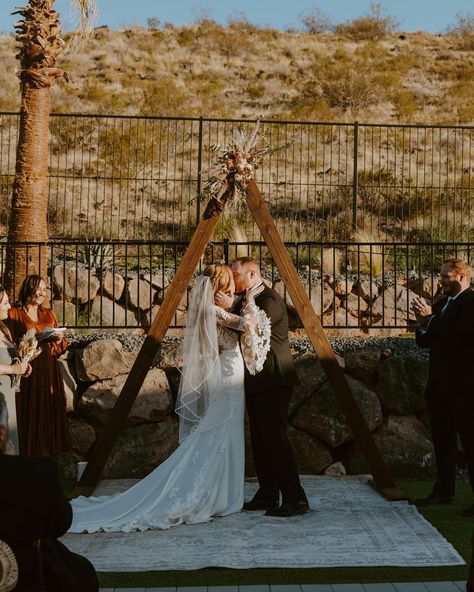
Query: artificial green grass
447,519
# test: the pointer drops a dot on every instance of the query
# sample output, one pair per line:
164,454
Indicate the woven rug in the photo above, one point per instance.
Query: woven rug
349,525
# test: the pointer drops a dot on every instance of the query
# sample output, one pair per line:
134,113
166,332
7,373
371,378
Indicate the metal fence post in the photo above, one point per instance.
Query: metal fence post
226,250
355,177
198,199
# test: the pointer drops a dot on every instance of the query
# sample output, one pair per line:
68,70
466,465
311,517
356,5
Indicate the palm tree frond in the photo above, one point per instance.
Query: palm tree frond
86,12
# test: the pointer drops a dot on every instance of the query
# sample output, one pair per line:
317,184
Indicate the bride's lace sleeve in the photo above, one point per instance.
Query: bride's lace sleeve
255,327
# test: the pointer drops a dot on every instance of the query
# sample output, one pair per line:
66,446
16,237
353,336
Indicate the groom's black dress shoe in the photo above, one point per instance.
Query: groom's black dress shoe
289,509
256,504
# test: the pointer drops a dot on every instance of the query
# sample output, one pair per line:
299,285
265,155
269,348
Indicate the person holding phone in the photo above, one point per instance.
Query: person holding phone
41,404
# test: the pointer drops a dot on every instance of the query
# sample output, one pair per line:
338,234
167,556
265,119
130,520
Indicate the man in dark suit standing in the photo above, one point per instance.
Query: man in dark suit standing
33,514
268,396
448,331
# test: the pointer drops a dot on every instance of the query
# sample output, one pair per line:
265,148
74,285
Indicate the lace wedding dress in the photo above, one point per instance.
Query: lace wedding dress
204,477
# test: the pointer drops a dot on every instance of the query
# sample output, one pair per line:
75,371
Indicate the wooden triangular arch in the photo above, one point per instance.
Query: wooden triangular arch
316,334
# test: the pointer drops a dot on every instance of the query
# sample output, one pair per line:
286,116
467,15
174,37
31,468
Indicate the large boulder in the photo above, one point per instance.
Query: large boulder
112,285
321,296
140,293
312,455
342,285
69,382
82,435
75,284
158,279
425,286
405,446
140,449
311,376
340,317
65,312
320,415
355,305
170,354
401,386
154,401
363,364
393,305
102,359
366,289
107,313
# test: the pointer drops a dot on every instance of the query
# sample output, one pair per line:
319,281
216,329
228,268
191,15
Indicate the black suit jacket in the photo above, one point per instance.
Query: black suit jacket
33,506
450,339
279,369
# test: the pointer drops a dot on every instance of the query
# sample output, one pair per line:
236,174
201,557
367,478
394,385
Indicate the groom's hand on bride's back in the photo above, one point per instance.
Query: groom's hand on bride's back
223,300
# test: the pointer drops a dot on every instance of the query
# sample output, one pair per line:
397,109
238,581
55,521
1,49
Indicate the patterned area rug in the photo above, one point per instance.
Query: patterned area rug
349,525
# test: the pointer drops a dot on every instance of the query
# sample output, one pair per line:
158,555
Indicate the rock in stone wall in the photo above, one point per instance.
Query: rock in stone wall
389,391
140,449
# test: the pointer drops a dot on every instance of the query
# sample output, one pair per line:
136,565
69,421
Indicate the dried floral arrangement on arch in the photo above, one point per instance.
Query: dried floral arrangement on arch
236,164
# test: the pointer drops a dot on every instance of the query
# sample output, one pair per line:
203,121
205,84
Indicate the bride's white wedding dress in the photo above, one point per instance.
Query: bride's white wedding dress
204,477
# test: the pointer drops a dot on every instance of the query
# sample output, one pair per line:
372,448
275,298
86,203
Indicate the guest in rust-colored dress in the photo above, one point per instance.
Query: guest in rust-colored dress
41,404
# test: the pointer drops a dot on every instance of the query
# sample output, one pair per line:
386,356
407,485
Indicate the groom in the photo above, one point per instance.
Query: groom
268,396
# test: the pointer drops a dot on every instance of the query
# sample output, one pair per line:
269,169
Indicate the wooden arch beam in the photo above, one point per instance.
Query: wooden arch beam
322,347
316,334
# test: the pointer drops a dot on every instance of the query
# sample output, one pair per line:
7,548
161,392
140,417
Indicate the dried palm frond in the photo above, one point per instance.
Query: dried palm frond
88,12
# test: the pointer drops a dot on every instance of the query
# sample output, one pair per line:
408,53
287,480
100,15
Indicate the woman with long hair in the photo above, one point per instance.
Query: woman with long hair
41,404
8,368
204,476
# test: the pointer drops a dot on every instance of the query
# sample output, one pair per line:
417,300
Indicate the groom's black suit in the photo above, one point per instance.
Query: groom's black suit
450,388
267,398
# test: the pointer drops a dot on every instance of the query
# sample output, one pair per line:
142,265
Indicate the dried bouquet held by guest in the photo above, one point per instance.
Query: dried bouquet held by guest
28,350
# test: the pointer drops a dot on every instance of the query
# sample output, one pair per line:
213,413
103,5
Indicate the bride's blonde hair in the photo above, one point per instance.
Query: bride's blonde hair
220,275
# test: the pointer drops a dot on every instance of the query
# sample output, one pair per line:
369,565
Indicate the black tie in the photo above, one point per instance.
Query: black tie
445,307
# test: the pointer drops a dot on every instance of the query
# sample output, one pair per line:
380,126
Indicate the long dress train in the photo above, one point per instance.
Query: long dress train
204,477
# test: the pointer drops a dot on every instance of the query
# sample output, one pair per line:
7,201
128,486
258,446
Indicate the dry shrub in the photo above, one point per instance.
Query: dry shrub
330,260
405,105
164,96
367,258
315,21
463,31
255,90
374,25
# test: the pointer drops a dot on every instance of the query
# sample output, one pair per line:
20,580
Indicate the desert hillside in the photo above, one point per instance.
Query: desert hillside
240,70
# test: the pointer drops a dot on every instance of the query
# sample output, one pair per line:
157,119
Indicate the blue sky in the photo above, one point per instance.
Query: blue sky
414,15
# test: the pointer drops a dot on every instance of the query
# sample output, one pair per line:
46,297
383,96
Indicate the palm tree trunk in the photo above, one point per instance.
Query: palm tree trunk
29,210
39,39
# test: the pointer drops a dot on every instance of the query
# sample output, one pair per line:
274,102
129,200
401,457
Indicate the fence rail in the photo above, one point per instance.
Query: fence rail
137,178
121,284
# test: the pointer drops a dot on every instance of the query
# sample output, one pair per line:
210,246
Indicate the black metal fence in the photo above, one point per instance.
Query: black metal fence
121,284
136,178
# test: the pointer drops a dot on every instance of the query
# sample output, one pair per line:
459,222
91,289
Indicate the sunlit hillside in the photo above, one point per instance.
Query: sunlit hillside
240,70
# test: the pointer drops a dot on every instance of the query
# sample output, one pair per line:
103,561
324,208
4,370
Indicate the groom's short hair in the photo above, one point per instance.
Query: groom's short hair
248,262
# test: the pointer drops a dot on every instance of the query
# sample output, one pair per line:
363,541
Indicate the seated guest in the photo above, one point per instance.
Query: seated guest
33,514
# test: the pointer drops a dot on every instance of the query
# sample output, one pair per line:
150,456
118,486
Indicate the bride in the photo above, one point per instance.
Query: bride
204,477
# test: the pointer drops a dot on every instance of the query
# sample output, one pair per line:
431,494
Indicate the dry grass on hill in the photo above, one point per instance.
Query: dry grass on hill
240,70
